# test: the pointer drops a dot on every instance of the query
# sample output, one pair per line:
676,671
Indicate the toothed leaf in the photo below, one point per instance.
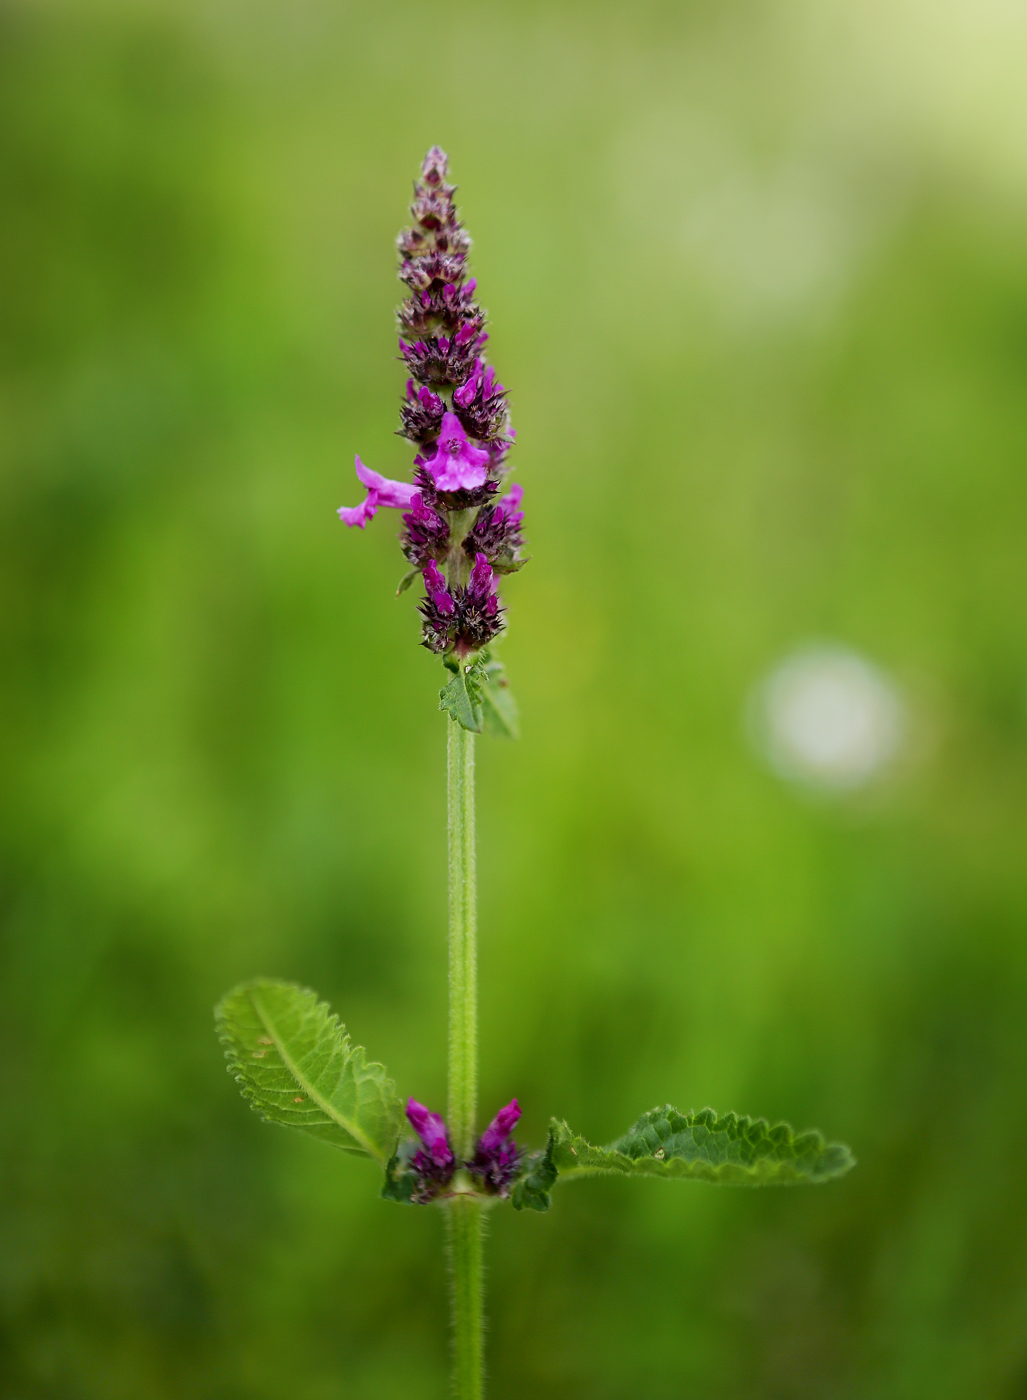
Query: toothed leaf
461,698
531,1190
701,1146
297,1066
401,1182
499,708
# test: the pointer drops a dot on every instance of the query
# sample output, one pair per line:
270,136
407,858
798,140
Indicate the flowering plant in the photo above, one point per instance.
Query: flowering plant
291,1057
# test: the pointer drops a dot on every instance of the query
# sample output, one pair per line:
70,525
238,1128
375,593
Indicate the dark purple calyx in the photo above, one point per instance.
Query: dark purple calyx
433,1162
496,533
425,534
497,1156
460,619
420,414
495,1162
481,404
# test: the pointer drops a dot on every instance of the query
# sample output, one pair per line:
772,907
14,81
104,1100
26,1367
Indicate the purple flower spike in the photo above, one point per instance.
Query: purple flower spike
457,465
431,1129
497,1155
455,413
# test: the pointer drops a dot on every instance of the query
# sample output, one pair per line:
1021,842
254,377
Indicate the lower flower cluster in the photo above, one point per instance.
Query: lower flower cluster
460,619
425,1173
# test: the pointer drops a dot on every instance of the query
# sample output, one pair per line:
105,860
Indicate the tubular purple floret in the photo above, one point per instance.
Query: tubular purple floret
425,534
441,598
433,1162
497,1156
431,1129
479,585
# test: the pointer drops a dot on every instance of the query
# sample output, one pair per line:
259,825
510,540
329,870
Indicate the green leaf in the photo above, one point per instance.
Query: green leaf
701,1146
297,1066
461,697
499,708
509,563
532,1188
479,698
406,581
400,1180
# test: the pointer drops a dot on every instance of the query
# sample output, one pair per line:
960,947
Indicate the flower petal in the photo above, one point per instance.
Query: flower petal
457,464
361,514
396,495
431,1129
499,1129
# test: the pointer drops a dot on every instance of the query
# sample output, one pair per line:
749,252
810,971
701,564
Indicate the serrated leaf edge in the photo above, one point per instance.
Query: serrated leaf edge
568,1138
545,1163
350,1050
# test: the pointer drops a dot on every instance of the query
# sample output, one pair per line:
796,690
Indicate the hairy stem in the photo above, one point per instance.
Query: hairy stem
463,957
464,1212
466,1224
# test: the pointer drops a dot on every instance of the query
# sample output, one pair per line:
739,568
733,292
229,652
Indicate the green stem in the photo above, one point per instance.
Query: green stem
464,1212
463,957
465,1242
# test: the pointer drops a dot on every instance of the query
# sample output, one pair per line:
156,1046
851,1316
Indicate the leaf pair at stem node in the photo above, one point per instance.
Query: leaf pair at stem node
297,1066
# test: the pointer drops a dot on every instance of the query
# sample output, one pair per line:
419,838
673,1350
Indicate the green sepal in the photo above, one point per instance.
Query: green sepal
461,698
532,1188
400,1181
510,563
297,1066
499,708
479,697
730,1151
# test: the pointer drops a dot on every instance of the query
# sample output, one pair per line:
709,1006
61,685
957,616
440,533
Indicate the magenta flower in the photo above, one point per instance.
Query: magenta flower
509,504
433,1162
479,586
437,591
496,533
457,619
495,1135
425,534
457,465
431,1129
381,491
497,1155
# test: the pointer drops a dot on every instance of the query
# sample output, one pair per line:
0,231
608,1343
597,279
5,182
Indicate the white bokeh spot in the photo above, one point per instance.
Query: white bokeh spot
828,718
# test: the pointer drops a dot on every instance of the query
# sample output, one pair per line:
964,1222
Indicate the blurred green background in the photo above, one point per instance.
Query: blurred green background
758,286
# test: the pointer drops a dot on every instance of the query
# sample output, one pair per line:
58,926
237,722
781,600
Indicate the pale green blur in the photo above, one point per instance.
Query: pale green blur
758,289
